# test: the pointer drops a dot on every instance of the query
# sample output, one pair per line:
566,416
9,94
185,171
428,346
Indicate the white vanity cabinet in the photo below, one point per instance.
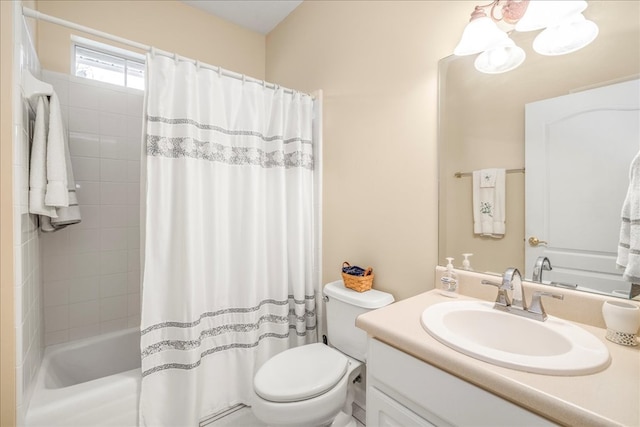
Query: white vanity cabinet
405,391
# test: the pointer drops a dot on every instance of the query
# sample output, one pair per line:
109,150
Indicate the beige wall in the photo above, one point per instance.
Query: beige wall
7,339
167,25
376,62
491,111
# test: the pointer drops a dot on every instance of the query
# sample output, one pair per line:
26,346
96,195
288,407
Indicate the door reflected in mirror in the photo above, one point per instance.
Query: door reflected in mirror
482,125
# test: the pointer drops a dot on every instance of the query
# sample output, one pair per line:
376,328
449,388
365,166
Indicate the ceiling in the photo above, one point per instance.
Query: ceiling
260,16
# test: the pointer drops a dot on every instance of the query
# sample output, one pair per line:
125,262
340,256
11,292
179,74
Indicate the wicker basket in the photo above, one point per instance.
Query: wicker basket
358,283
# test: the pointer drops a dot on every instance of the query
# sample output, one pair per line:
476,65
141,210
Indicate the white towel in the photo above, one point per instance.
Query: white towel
57,193
488,178
70,214
489,203
38,162
50,168
629,246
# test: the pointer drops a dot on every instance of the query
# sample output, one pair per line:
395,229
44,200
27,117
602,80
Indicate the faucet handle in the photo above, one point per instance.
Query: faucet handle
502,299
536,306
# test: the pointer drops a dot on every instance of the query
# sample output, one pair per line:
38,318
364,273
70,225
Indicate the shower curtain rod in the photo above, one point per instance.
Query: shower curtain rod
31,13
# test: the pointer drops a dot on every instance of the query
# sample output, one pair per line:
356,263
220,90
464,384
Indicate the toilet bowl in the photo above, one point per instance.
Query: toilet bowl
311,391
313,385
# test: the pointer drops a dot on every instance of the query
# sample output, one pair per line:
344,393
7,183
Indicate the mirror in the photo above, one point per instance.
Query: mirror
482,125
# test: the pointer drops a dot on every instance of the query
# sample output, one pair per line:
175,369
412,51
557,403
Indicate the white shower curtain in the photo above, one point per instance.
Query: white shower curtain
228,263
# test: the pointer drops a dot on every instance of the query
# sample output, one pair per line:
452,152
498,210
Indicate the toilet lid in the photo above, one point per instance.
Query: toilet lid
300,373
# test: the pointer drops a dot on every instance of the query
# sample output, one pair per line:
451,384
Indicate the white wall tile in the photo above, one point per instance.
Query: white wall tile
56,293
88,193
55,243
113,101
90,216
113,308
112,239
113,124
113,216
84,313
112,262
113,193
84,289
133,216
84,264
84,145
134,127
113,325
85,96
133,238
113,147
56,318
133,260
84,120
133,305
133,321
113,170
88,265
86,168
113,285
56,267
135,104
57,337
83,240
134,148
133,193
134,281
84,331
133,171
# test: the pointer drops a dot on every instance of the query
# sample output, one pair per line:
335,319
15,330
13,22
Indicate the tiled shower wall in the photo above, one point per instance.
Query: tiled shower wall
91,270
26,250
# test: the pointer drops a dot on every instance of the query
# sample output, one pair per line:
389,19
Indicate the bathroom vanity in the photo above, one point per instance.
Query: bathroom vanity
413,379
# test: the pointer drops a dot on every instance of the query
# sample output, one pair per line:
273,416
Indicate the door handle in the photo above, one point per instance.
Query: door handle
534,241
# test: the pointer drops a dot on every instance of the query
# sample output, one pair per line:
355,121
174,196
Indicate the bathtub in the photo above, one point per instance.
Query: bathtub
91,382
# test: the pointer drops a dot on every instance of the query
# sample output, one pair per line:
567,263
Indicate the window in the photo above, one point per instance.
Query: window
108,64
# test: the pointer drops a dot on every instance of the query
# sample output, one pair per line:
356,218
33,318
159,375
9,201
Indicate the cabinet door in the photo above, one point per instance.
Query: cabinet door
383,411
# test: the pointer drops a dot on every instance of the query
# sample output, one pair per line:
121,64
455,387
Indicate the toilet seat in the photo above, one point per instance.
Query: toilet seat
300,373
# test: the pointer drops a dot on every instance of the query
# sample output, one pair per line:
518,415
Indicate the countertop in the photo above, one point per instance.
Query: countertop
609,397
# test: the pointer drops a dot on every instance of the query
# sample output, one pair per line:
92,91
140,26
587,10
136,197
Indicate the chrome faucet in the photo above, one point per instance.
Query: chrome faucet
512,280
542,263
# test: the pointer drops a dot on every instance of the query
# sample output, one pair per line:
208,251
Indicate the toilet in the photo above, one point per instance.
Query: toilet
324,393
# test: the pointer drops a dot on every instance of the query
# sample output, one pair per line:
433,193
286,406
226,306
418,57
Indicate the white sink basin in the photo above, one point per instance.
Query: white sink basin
553,347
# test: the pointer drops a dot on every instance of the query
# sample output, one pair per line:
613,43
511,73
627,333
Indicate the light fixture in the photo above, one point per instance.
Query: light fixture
565,30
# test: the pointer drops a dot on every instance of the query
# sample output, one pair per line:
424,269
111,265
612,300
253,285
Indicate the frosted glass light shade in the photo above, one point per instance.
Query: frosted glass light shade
566,38
479,35
544,13
500,59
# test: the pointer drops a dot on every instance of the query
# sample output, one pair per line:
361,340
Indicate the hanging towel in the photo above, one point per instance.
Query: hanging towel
57,193
66,215
489,202
629,246
50,168
38,162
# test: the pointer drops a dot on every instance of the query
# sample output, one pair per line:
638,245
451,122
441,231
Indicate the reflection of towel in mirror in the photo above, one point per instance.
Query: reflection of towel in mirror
629,246
489,202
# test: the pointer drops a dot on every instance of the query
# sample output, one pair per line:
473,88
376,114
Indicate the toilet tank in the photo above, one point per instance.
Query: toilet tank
343,306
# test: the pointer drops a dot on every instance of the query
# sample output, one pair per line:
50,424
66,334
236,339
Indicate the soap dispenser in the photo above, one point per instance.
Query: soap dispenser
449,282
466,264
